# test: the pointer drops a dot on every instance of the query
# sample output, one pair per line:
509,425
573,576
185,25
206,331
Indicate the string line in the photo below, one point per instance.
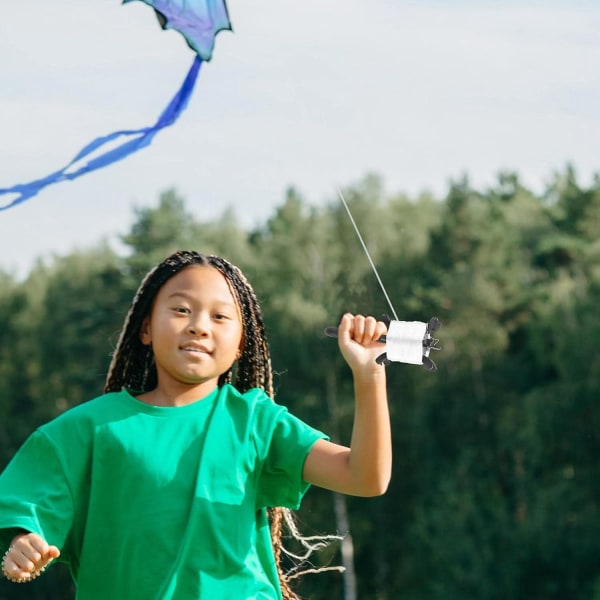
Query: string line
364,246
293,86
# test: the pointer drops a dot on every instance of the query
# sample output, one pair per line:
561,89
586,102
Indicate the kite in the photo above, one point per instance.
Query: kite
198,21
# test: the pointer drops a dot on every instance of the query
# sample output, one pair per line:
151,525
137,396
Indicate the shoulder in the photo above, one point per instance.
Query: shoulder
265,420
255,402
89,414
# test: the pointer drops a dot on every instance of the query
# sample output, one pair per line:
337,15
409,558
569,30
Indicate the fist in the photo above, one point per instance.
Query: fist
358,337
27,557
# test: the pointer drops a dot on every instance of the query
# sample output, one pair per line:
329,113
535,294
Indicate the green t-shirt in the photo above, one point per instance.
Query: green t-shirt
155,503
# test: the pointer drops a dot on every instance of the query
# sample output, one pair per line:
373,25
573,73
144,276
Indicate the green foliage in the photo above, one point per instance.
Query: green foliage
496,481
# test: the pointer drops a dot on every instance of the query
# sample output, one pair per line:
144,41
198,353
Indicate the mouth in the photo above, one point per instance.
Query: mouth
195,349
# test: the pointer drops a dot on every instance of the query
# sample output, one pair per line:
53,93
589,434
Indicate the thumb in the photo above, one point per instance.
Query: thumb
52,553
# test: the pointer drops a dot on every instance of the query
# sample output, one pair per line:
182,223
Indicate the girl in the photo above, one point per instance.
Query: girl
161,488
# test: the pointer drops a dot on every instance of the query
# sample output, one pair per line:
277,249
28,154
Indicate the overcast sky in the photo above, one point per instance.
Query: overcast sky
312,93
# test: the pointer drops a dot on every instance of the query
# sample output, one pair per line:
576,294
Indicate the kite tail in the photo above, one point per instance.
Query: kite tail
140,139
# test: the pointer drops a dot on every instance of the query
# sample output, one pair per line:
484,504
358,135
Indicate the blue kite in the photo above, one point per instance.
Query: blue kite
198,21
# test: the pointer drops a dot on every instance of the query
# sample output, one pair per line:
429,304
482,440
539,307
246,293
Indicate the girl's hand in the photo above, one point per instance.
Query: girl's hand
27,557
357,338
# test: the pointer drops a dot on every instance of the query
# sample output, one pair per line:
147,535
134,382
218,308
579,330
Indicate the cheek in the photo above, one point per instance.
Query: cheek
161,327
237,341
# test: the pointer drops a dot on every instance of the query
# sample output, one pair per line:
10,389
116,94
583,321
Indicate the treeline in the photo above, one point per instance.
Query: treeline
496,475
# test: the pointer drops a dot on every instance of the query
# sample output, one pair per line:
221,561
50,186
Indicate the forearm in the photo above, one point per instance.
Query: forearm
370,457
365,468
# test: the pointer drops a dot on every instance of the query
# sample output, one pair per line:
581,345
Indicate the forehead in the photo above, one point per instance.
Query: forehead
196,281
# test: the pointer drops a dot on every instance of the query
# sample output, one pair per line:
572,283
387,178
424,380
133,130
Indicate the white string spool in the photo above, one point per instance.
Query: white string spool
404,341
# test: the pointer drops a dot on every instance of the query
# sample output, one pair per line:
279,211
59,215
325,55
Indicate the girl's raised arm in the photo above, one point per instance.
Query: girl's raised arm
364,469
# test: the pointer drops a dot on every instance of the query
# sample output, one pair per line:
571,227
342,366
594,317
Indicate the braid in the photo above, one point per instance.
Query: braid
276,517
132,361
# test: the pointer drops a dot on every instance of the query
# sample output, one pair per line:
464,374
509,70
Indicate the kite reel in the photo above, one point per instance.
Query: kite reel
406,341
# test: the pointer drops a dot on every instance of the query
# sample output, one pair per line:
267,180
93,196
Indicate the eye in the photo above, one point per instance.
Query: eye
220,317
181,310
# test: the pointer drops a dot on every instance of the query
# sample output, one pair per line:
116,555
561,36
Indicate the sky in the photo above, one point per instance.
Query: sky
311,93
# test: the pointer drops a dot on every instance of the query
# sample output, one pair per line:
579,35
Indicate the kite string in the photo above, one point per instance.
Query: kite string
293,86
366,250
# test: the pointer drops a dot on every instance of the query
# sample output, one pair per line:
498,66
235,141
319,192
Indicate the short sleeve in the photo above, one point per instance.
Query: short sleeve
280,479
34,494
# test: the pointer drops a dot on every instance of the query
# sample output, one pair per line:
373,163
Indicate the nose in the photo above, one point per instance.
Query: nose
199,324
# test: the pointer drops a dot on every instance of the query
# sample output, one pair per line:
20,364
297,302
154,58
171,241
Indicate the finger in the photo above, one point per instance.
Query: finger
23,562
38,544
358,329
370,331
13,566
381,329
42,551
346,326
18,568
52,553
26,554
34,546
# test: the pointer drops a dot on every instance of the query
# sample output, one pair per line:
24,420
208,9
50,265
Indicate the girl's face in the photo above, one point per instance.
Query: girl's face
194,327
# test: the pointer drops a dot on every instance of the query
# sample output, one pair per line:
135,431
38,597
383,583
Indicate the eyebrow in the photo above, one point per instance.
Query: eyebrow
192,298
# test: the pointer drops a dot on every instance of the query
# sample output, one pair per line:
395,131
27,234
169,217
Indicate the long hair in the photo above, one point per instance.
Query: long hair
132,364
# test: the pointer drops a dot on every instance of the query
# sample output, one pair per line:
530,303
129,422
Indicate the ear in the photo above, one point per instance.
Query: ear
240,349
145,335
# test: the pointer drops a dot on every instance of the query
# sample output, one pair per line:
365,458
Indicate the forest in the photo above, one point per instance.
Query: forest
496,477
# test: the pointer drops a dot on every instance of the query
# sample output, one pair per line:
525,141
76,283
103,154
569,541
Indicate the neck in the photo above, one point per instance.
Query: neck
178,394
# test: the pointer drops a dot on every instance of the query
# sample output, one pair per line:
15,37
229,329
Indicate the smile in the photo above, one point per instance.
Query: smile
195,350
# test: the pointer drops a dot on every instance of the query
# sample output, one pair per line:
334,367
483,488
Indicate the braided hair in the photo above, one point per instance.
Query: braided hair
132,364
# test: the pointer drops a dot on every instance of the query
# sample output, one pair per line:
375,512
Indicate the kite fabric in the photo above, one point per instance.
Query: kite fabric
198,21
